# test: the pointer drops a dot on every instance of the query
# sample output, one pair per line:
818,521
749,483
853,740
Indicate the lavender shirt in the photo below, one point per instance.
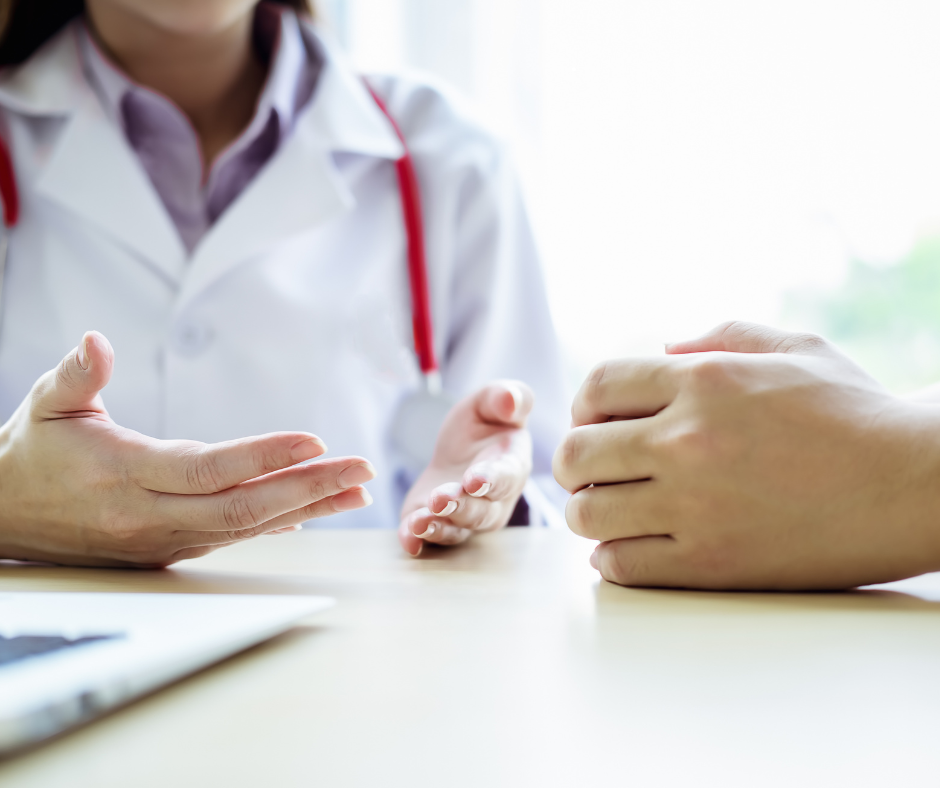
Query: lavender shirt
166,143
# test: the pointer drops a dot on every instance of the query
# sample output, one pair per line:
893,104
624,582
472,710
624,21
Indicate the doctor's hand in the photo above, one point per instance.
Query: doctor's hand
75,488
481,462
751,459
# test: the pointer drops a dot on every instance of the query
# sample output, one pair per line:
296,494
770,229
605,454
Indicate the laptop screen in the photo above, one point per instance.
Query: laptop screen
13,649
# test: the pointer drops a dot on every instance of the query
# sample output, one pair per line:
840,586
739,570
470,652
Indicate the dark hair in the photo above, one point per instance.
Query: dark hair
25,25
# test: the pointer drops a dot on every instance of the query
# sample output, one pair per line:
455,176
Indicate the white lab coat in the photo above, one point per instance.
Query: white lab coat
293,312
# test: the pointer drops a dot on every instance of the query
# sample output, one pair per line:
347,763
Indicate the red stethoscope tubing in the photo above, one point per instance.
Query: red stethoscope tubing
8,191
414,236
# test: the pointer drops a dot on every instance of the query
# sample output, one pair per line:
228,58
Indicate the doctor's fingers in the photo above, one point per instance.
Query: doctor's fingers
251,505
623,511
430,528
504,402
451,505
188,467
501,470
628,388
616,451
347,501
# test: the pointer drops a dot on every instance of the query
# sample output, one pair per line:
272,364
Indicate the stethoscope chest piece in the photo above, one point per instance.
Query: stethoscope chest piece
416,425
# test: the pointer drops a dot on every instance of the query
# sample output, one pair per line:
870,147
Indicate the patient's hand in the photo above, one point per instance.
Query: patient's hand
75,488
752,459
481,463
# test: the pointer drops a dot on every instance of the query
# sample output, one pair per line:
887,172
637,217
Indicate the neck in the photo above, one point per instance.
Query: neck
214,77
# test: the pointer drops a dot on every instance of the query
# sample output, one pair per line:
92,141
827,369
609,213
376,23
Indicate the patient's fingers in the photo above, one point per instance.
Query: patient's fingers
655,561
618,451
631,388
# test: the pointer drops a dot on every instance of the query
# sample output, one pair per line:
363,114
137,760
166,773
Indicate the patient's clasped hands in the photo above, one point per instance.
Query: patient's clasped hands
755,459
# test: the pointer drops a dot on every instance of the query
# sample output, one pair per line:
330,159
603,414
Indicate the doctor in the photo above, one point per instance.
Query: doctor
210,185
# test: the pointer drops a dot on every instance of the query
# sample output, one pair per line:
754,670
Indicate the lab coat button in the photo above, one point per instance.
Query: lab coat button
191,339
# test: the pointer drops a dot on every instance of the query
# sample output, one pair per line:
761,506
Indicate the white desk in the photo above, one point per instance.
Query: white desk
507,663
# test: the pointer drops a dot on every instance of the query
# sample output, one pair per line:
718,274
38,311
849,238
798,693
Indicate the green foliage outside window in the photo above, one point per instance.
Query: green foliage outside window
885,317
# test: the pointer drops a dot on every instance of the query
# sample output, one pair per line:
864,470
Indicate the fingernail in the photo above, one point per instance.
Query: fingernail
430,531
298,527
517,397
482,491
349,503
307,449
420,548
82,356
447,510
593,559
357,474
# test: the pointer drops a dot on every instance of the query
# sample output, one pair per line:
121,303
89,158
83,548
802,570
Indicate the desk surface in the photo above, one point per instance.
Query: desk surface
506,662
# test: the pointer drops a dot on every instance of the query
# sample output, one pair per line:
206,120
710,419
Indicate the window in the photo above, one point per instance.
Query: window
689,162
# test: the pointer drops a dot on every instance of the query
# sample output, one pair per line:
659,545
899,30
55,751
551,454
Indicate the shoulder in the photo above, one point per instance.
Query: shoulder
438,123
50,82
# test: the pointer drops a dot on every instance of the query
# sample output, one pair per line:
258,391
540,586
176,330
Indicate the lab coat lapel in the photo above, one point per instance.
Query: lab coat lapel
94,173
300,188
91,170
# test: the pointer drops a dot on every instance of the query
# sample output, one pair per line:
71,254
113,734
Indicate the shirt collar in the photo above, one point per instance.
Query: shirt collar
286,88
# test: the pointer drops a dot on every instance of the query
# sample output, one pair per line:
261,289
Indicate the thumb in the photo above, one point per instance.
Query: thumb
73,387
504,402
740,337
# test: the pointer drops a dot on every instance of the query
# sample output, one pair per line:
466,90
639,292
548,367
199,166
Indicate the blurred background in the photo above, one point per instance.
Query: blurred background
692,161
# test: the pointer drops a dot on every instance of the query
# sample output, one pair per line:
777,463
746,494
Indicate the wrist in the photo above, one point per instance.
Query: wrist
916,495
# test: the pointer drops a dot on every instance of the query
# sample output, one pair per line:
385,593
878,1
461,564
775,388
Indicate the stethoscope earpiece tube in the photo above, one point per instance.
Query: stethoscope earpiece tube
11,208
8,190
417,262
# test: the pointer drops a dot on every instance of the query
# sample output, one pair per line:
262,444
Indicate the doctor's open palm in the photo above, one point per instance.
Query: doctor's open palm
481,462
77,488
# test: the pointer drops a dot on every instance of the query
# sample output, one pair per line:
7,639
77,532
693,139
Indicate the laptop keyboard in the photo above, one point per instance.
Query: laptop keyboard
24,646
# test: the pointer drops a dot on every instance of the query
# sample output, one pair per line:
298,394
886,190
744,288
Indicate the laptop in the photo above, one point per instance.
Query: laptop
68,658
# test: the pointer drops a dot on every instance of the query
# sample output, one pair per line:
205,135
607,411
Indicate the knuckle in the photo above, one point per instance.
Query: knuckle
270,458
566,457
692,443
580,515
240,513
736,329
594,382
65,375
317,489
203,472
242,534
131,537
802,343
623,566
714,372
